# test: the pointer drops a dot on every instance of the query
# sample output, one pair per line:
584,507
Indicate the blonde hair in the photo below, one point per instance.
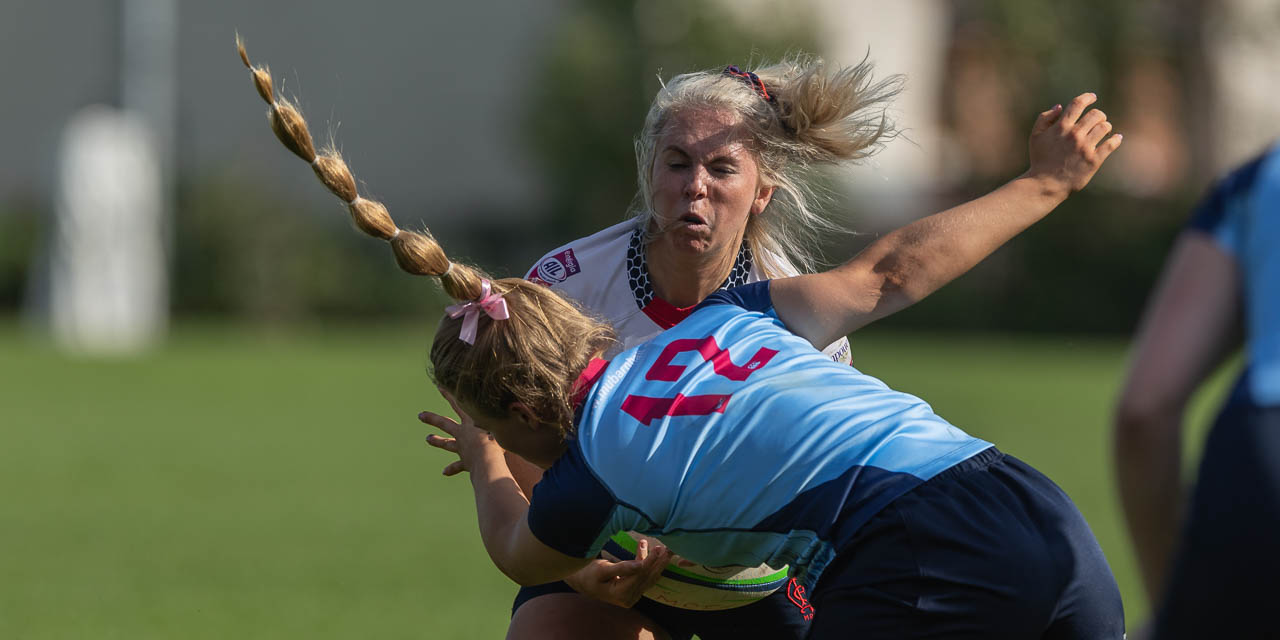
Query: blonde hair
820,115
533,357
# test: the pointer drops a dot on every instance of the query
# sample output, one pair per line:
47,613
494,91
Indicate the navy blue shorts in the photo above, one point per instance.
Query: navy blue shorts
989,548
1226,573
775,616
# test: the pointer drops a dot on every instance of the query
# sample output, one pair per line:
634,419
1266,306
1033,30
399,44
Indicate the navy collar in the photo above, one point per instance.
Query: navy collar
642,286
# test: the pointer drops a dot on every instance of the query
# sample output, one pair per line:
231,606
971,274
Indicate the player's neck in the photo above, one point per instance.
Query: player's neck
684,278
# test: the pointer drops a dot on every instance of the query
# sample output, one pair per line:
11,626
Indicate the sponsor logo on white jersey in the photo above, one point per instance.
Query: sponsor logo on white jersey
555,269
552,270
841,354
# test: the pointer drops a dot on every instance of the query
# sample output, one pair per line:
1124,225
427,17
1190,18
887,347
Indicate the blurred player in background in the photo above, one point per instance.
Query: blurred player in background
1210,565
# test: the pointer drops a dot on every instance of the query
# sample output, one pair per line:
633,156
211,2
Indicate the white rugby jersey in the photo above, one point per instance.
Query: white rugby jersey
606,272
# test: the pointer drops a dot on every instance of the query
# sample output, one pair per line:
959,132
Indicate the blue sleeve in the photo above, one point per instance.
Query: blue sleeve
752,297
570,509
1219,213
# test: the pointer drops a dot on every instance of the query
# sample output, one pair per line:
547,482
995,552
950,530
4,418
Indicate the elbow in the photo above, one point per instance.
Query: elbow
902,282
892,290
510,566
513,571
1141,422
523,570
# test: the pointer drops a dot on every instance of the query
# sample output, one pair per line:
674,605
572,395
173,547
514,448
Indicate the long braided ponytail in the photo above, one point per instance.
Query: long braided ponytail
416,253
533,357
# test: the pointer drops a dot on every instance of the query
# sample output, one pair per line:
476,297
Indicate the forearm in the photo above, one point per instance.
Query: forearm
909,263
914,261
501,508
1066,150
1148,455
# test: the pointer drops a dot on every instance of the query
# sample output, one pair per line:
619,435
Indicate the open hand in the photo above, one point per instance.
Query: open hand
622,583
468,441
1068,145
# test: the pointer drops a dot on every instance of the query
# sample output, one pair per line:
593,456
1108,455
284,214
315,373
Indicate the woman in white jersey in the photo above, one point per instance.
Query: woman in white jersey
720,148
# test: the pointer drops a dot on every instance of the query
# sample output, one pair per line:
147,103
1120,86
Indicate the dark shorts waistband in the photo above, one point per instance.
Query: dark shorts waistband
977,462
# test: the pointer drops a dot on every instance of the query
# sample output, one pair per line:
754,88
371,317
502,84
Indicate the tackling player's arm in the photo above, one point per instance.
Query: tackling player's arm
1067,147
501,506
502,511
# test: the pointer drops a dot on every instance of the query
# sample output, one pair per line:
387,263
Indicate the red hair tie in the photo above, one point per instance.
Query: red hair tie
752,81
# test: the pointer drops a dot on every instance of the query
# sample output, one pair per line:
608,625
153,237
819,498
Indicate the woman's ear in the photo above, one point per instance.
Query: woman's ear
763,196
521,412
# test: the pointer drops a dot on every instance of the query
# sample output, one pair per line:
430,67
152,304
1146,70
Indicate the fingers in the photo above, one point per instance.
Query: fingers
1089,128
440,422
1111,144
450,427
665,555
1095,126
1089,120
448,444
1077,107
650,559
653,558
658,559
655,564
1098,132
1047,118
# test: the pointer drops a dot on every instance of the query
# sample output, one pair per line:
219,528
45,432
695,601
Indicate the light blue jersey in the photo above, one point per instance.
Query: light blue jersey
738,443
1242,213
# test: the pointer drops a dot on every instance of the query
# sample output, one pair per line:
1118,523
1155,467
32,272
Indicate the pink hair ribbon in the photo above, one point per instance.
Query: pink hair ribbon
491,303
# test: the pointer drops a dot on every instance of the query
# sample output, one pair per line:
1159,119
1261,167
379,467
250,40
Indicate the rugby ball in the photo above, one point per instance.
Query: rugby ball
702,588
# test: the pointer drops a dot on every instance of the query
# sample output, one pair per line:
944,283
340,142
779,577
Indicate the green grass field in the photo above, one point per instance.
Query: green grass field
251,484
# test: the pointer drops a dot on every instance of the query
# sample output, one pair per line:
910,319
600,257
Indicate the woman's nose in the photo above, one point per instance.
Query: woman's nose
696,186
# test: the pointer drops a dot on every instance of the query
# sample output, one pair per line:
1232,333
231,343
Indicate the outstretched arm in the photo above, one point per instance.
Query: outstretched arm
501,507
1067,147
1190,326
